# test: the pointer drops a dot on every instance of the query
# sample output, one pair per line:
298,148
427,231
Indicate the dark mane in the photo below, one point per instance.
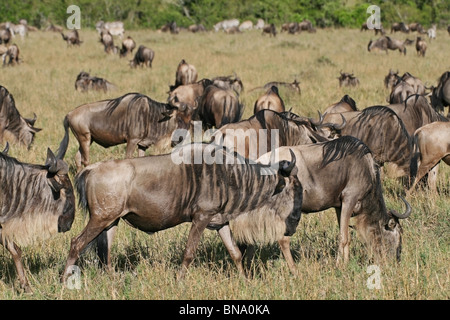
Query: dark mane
114,103
337,149
347,99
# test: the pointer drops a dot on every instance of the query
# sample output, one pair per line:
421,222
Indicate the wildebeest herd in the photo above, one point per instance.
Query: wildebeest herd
250,195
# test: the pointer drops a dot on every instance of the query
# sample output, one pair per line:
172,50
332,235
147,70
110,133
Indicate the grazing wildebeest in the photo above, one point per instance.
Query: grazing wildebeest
12,55
269,100
115,28
37,202
254,136
294,85
143,56
107,40
347,80
226,24
128,45
270,29
399,27
383,132
342,174
229,82
186,74
421,47
394,44
5,36
72,38
386,43
391,79
346,104
196,28
188,94
415,26
85,82
13,127
232,30
432,144
133,118
440,96
218,107
207,194
54,28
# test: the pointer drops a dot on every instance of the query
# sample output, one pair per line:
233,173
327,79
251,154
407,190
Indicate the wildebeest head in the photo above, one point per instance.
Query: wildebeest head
347,79
390,79
440,95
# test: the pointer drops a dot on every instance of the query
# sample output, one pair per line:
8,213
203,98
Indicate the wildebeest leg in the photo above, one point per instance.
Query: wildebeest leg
233,250
17,258
198,226
423,169
344,241
90,232
141,151
104,243
432,178
131,146
286,249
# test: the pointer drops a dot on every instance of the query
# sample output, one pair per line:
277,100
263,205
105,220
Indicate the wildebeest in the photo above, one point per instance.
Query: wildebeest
196,28
229,82
85,82
347,80
107,40
381,129
400,92
226,24
246,25
432,144
186,74
391,79
399,27
421,46
270,29
218,107
72,38
13,127
384,43
440,96
128,45
11,56
5,36
342,174
415,26
143,56
142,192
54,28
115,28
133,118
188,94
294,85
346,104
269,100
257,135
37,201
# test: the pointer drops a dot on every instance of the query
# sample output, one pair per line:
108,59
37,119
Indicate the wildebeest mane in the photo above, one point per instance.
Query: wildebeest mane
347,99
114,103
11,113
335,150
431,113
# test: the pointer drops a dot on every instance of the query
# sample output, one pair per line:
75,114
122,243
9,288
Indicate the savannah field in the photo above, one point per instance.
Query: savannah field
145,266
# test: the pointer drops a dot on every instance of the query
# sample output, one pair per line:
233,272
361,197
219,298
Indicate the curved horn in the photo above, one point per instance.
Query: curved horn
407,212
287,167
342,125
314,122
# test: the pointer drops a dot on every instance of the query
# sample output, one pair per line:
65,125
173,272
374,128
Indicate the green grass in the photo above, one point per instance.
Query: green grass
145,266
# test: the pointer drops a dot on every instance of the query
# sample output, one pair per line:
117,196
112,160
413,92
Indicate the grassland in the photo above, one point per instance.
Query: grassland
145,266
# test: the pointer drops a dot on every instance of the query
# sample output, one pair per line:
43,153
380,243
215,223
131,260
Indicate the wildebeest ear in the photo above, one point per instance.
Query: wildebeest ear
50,162
166,116
31,121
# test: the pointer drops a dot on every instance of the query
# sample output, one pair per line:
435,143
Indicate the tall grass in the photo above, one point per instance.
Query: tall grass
145,266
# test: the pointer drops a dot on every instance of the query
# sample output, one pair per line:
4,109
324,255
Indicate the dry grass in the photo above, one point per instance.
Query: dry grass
145,266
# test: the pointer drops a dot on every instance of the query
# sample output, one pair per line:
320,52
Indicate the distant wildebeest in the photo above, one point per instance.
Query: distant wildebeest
37,202
107,40
218,107
115,28
346,104
306,25
415,26
85,82
208,194
11,56
399,27
294,85
232,30
246,25
347,80
382,130
72,38
196,28
13,127
342,174
54,28
270,29
440,96
5,36
186,74
133,118
269,100
229,82
260,24
143,57
432,144
189,94
421,47
259,130
386,43
226,24
128,45
400,92
377,30
391,79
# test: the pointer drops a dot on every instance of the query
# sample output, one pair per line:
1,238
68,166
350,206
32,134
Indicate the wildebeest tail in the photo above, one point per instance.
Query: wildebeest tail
61,152
80,185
